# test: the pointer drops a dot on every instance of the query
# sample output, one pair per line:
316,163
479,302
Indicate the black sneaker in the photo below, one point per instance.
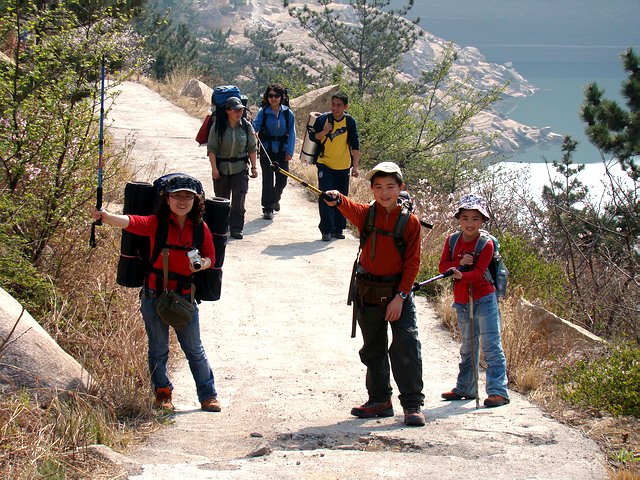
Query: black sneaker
338,235
267,215
413,417
276,206
237,235
373,409
326,237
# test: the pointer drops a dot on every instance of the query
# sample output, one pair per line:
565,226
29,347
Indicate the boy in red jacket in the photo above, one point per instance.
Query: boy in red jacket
384,278
470,285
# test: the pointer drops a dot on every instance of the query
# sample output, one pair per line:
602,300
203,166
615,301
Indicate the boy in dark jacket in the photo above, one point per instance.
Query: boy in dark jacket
384,279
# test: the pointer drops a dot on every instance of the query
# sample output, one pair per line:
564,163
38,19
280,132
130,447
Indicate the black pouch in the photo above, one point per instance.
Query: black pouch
174,309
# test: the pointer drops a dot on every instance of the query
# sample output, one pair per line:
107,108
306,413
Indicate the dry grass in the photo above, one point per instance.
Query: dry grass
98,323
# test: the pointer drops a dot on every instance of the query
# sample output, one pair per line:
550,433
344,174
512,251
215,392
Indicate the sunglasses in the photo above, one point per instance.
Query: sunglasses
274,95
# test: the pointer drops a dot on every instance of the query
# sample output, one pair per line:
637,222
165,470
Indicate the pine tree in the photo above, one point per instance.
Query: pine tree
611,128
366,45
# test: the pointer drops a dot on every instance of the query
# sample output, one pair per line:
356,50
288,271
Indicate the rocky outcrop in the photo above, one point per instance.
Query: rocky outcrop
555,334
315,101
30,359
197,90
508,135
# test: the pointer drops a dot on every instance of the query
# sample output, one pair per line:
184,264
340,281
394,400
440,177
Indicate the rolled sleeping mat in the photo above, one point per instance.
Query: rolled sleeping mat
133,264
208,282
309,147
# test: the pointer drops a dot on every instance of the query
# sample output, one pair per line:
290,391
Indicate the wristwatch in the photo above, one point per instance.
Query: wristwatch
403,295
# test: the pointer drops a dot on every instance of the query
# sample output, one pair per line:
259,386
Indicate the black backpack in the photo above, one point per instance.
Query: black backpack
497,272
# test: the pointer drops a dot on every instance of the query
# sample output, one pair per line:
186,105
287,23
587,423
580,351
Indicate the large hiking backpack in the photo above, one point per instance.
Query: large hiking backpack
219,96
497,272
136,258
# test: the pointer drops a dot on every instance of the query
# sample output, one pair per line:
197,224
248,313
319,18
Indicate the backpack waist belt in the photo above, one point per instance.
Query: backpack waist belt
232,159
362,273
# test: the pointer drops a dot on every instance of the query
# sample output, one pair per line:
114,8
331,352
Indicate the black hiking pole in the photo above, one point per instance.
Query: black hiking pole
276,168
92,240
417,286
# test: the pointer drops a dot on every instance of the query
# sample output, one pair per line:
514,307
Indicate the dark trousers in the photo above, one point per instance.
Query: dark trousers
273,183
331,220
235,188
403,357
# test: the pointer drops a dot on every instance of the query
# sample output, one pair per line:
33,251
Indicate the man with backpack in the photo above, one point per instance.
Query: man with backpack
383,296
476,305
336,133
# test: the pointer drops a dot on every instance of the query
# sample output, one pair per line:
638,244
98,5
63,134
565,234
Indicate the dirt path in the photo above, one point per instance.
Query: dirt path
288,372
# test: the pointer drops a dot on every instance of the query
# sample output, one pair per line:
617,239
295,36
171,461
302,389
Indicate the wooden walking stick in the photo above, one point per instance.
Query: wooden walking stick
472,326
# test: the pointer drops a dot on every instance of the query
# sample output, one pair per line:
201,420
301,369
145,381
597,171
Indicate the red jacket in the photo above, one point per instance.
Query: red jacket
387,259
146,226
475,276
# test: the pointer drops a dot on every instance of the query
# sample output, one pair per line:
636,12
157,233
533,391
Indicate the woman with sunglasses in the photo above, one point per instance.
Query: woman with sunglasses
276,127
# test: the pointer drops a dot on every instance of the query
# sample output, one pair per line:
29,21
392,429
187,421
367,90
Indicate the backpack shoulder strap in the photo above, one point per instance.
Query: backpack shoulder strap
369,224
398,231
162,232
480,244
198,235
453,241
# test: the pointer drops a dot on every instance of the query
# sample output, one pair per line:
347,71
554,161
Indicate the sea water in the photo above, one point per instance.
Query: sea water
558,46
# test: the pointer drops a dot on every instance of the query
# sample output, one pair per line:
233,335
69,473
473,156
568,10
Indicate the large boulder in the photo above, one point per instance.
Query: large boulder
197,90
556,335
30,359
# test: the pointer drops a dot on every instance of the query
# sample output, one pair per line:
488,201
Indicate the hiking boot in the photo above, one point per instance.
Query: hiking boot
237,235
495,401
338,235
210,405
163,399
451,395
326,237
373,409
413,417
267,215
276,206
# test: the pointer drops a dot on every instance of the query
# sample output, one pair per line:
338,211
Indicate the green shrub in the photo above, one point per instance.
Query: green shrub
604,382
530,274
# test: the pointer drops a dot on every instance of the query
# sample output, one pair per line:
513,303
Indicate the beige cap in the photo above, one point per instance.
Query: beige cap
386,167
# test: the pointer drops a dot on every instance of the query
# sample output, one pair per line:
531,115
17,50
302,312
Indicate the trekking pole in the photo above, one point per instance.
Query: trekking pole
417,286
473,346
276,168
92,240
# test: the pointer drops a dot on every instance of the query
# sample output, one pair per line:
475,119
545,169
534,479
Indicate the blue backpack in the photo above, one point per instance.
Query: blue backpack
497,272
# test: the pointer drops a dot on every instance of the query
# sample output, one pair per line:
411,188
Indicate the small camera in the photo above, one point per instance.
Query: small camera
195,259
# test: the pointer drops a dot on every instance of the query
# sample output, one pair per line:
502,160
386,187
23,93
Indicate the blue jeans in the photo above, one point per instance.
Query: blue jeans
486,317
404,354
331,220
189,338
